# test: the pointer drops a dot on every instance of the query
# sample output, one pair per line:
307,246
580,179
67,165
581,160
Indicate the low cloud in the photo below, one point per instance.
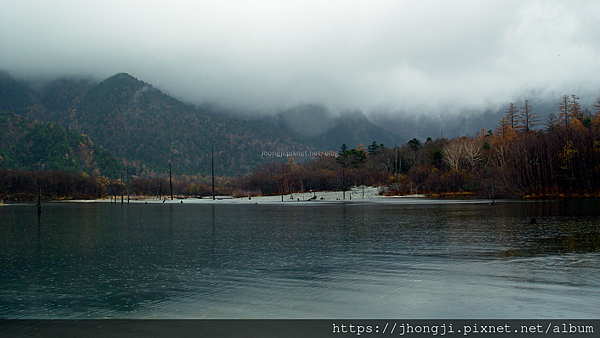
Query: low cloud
267,56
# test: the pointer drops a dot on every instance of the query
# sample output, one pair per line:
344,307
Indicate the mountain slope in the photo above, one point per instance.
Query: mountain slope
15,95
317,126
355,129
138,122
148,129
33,145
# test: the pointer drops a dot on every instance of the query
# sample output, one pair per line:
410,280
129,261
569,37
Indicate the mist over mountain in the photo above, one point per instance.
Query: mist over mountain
306,120
265,57
148,129
317,125
470,122
15,95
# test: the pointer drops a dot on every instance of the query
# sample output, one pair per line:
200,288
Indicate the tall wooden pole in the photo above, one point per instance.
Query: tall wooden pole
493,188
212,168
397,164
170,181
127,179
39,199
344,180
121,185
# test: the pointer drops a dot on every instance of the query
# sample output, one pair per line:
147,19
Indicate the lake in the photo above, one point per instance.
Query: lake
379,258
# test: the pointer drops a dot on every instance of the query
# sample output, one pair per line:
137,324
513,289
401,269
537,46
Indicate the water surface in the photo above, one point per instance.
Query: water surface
388,258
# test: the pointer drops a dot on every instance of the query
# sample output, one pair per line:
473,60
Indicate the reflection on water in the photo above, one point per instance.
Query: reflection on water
387,259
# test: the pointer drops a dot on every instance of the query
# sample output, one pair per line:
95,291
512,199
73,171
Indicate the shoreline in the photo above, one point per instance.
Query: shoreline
316,196
288,201
356,195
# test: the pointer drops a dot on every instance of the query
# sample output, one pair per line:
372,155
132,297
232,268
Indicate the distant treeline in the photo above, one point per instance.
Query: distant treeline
179,186
24,185
516,159
519,158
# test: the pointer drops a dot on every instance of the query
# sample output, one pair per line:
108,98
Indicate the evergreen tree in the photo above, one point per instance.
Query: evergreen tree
552,122
414,144
343,149
374,148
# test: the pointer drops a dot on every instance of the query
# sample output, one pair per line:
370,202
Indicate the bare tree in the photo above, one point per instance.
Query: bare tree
473,151
564,108
502,128
576,111
512,115
500,152
528,118
452,153
597,107
596,116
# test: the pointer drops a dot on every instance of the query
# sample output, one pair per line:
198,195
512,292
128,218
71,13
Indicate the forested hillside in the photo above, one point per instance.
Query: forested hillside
146,129
35,145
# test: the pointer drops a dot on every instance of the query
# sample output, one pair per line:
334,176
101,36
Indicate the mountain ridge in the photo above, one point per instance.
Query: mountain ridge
147,129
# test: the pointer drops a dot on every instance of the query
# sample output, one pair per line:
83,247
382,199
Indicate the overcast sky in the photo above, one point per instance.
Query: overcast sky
421,55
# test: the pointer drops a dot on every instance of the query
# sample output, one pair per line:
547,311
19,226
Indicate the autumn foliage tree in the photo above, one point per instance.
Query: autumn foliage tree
517,159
